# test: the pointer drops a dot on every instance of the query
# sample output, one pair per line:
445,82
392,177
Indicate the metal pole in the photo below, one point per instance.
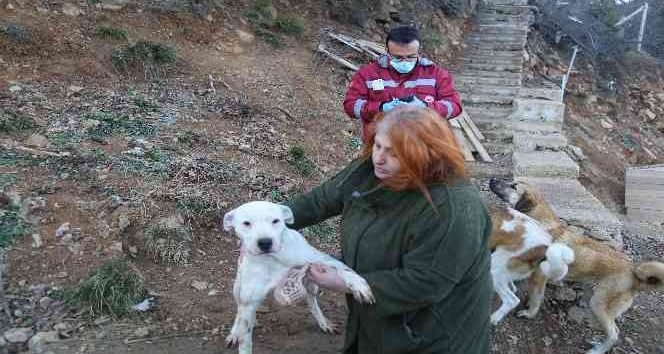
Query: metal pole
643,26
569,71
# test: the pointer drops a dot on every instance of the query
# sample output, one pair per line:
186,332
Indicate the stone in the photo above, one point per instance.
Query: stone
660,127
648,114
102,320
22,283
142,332
133,251
45,302
577,152
61,327
18,335
15,88
90,123
71,10
39,289
606,124
123,223
61,275
547,341
200,285
36,241
629,341
565,294
40,339
73,90
115,247
10,6
87,206
62,229
113,5
37,140
245,37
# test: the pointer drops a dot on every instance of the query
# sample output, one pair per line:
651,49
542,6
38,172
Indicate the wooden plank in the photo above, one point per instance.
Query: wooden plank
463,144
472,126
473,139
338,59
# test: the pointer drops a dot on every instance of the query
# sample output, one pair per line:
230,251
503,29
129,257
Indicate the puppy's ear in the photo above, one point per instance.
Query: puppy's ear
228,221
287,214
525,203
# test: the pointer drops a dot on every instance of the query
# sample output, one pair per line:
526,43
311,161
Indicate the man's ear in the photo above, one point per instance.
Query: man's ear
525,203
228,221
287,214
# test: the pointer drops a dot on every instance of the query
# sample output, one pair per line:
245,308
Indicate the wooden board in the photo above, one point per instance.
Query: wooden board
463,144
473,139
472,126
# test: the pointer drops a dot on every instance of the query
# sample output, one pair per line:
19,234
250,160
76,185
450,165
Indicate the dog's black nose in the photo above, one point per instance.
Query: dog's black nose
492,182
265,244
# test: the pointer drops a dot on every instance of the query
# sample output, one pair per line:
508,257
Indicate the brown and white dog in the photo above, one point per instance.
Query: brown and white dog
521,248
618,278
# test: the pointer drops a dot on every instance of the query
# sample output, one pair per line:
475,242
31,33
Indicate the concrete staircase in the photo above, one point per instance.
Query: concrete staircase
523,126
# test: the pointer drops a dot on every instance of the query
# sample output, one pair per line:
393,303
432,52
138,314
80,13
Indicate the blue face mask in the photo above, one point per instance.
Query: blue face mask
403,66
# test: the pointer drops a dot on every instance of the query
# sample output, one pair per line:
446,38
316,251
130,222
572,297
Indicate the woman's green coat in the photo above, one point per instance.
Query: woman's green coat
428,269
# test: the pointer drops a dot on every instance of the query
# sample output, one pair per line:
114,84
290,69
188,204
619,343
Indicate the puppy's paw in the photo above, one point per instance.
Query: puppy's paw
525,314
233,340
361,290
328,327
496,318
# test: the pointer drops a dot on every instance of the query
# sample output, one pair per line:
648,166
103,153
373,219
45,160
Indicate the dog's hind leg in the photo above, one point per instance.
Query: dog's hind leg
312,299
535,294
508,298
607,304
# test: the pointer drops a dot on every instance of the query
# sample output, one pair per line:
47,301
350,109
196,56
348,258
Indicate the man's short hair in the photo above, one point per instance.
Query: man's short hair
403,35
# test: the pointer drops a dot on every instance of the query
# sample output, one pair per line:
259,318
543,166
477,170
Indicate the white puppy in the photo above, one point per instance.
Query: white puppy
269,250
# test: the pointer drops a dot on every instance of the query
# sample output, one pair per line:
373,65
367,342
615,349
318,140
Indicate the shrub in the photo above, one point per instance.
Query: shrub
112,33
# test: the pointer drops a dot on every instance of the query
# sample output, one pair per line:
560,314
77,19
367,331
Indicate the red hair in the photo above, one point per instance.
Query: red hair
424,145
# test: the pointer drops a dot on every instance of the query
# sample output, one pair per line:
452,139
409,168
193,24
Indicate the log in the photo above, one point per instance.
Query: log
338,59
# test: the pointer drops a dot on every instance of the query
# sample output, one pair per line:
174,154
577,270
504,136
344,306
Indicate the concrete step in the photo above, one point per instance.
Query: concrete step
544,164
478,98
498,149
537,141
488,112
495,53
478,80
494,67
534,115
573,203
491,73
485,59
509,30
499,38
551,94
483,170
494,46
488,90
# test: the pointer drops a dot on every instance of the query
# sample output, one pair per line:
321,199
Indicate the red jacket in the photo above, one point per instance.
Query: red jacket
429,82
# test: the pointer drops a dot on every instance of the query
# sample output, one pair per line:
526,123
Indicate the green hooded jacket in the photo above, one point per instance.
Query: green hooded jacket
428,269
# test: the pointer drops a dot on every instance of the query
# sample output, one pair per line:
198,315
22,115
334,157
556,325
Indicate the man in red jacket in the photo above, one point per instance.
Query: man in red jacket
402,77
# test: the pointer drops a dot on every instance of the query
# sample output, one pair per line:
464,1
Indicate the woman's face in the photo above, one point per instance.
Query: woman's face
385,162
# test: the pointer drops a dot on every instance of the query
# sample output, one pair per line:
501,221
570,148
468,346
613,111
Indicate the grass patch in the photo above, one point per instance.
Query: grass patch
68,139
110,289
190,138
111,124
6,180
17,34
196,207
168,245
108,32
11,158
12,224
144,106
268,26
11,122
297,157
290,25
152,58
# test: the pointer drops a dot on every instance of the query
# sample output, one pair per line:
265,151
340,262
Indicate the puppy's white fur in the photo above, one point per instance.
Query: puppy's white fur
269,250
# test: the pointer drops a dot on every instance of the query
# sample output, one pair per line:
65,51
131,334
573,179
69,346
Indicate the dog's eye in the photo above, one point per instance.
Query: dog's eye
246,223
275,221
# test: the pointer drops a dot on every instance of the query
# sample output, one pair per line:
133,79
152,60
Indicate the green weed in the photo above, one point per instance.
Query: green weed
298,158
11,121
110,289
113,33
114,123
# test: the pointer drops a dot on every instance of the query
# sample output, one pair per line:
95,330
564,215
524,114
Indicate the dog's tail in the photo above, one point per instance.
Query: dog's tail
558,258
649,276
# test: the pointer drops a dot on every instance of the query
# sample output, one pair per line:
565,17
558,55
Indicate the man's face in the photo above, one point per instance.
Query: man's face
404,52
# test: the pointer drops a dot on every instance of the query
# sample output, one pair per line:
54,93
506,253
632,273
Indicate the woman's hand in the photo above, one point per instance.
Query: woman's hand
326,277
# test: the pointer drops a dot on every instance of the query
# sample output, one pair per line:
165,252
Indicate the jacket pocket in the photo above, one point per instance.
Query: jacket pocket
423,327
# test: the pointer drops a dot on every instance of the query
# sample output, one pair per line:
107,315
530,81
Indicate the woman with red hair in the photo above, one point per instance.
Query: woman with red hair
416,229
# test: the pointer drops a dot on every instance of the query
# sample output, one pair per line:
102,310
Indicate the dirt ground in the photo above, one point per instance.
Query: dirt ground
212,150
